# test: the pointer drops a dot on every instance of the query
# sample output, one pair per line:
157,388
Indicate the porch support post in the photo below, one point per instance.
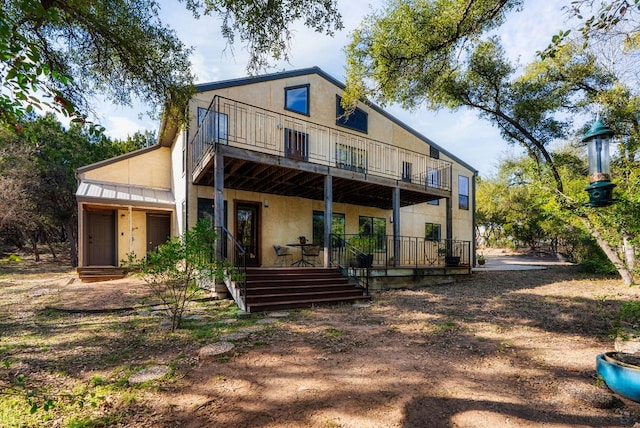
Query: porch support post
396,225
328,218
218,200
130,213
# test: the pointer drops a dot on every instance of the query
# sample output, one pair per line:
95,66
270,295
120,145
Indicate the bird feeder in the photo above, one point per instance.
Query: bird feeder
600,189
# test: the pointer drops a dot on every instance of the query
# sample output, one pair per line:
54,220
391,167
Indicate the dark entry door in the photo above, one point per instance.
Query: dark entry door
158,230
101,238
247,231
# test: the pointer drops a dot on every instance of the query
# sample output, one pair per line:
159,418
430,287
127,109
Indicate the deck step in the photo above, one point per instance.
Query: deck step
100,273
289,288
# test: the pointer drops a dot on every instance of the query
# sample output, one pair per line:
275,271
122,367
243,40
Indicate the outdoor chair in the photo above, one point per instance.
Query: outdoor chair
311,253
283,255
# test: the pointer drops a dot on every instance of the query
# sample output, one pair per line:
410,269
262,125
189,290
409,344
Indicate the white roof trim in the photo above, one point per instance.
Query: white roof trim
125,194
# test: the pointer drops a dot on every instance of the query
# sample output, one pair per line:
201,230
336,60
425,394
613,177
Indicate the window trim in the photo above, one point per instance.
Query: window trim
306,86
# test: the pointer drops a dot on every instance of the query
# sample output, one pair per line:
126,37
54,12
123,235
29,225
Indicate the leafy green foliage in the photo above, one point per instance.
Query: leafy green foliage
37,177
56,55
174,270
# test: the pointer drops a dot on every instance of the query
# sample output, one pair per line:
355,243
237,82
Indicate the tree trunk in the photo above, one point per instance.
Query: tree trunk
73,245
629,253
34,246
623,270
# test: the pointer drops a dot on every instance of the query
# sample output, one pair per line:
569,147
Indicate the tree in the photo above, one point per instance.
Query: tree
58,54
533,110
37,168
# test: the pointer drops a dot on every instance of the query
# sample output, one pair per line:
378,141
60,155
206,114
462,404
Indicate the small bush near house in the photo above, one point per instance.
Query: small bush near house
174,270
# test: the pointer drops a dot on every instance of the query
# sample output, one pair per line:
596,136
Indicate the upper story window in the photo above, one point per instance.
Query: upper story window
296,98
358,120
463,192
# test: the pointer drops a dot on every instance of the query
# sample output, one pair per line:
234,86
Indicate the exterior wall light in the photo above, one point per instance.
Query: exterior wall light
600,188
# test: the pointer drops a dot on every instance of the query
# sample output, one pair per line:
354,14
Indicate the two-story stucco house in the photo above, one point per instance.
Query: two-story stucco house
271,158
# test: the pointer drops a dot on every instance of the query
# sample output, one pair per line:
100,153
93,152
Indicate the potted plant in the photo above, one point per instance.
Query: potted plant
481,260
302,239
363,245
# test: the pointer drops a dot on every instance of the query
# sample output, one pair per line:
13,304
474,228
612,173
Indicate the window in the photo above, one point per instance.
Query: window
205,209
463,192
351,158
295,144
406,171
216,125
337,228
376,227
432,231
358,120
296,98
434,153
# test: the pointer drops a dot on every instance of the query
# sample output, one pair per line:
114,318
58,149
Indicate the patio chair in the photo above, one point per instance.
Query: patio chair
282,253
311,253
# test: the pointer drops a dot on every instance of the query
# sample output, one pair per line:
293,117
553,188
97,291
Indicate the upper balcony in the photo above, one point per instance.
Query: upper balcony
256,140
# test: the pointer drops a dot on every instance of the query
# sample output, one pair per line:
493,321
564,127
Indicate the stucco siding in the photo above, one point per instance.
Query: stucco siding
152,169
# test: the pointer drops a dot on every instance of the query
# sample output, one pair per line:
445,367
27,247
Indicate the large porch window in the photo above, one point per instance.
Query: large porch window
337,227
351,158
376,227
432,231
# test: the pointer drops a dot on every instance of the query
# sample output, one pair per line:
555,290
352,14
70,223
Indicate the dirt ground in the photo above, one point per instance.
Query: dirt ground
497,349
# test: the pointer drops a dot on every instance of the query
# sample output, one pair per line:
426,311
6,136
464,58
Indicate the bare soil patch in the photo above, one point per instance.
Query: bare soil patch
512,348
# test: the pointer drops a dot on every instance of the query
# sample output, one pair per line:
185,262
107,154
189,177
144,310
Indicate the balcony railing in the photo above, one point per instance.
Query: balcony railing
406,251
242,125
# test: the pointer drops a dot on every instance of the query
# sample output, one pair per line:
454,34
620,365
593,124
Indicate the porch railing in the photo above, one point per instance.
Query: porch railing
243,125
350,261
383,251
235,264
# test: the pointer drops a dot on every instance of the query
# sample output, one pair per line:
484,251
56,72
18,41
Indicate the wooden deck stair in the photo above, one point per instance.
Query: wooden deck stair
100,273
270,289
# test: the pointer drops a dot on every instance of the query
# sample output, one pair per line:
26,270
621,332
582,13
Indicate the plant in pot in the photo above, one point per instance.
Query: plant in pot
363,246
481,260
302,239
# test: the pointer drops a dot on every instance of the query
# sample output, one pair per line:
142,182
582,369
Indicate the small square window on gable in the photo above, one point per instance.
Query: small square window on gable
296,98
358,120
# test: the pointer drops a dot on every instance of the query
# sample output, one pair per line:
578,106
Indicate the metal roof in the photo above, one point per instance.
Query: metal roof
124,194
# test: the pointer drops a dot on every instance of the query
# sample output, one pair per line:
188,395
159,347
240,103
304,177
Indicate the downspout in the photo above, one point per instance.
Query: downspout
473,220
187,175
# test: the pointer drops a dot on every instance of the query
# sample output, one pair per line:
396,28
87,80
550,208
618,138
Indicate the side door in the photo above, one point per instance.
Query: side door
158,230
101,238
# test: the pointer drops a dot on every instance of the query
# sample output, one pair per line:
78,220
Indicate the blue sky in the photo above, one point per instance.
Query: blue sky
462,133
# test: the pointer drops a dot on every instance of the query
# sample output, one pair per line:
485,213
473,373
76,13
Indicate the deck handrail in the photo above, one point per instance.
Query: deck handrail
340,255
239,124
235,258
401,252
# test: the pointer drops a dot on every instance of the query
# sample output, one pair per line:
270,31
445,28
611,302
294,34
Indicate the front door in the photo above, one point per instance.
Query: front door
247,231
158,230
101,238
